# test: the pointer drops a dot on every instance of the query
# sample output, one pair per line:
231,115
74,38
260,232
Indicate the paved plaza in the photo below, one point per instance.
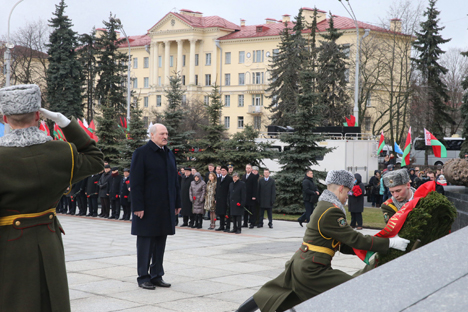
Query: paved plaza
209,271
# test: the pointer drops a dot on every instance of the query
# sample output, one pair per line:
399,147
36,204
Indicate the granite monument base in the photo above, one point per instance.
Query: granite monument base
458,195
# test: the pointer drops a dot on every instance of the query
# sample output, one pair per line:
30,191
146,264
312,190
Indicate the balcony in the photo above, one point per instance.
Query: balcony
255,110
256,88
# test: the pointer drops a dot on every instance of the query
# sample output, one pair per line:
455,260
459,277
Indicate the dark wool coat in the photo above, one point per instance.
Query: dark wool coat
155,190
251,186
114,188
197,190
92,187
185,196
124,192
237,198
309,190
222,193
34,178
104,184
266,193
356,203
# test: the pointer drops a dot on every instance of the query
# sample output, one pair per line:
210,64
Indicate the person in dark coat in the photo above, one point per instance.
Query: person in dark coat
222,193
104,186
251,185
114,193
237,200
72,198
310,194
266,197
92,193
186,211
356,202
155,197
374,183
124,194
81,198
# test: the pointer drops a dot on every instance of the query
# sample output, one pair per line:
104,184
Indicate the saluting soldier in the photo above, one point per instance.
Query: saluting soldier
398,183
32,261
309,271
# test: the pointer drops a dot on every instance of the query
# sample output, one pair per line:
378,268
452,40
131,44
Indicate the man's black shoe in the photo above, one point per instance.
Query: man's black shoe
185,224
270,225
161,283
89,215
244,225
251,226
219,229
147,285
233,231
300,222
238,231
260,225
226,230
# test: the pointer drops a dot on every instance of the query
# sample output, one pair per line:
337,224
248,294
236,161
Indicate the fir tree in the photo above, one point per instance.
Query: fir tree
427,45
110,88
464,113
173,117
211,146
137,136
87,57
284,85
333,81
64,70
110,137
304,150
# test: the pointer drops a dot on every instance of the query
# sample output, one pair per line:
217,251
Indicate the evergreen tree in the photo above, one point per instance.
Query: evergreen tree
284,85
333,81
110,137
427,45
173,117
87,57
304,150
64,70
211,146
137,136
110,87
464,113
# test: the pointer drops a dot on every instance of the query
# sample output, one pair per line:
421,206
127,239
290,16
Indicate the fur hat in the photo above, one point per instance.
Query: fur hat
20,99
396,177
340,177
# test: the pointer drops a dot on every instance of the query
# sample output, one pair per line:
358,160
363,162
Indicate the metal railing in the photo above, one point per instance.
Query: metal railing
255,109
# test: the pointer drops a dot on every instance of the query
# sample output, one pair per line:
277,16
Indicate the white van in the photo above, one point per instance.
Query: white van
453,146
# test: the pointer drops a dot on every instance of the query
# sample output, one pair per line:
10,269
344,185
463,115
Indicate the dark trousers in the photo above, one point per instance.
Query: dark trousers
115,204
376,200
150,256
249,218
126,211
105,206
93,205
71,205
356,217
222,222
228,222
82,204
198,220
236,223
62,206
309,207
187,218
262,214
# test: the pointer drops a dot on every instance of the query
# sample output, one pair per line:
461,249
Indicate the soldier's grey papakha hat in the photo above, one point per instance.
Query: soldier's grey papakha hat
20,99
340,177
395,178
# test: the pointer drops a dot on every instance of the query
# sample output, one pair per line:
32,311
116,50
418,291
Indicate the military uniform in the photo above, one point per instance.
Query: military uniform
392,179
309,271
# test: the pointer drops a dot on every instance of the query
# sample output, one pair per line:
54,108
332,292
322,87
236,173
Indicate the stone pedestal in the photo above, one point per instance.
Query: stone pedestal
458,195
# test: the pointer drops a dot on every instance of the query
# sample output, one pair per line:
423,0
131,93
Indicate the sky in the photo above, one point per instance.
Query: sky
138,16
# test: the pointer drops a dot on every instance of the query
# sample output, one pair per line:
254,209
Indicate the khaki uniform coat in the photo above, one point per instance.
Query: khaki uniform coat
32,262
309,272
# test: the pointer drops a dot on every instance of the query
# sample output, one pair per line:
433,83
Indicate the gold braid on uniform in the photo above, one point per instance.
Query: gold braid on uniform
72,168
320,232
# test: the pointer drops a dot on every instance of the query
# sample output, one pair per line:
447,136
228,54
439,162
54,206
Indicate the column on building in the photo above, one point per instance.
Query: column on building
214,62
180,44
193,43
167,53
154,63
201,64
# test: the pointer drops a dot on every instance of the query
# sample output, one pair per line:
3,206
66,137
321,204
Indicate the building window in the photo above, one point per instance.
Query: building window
146,82
257,100
159,81
135,83
196,80
257,122
135,62
240,99
227,79
228,57
258,56
160,61
227,101
171,61
145,101
346,49
183,80
369,101
158,100
196,59
241,57
183,60
146,62
145,121
207,80
367,123
275,53
240,122
227,122
208,59
241,79
206,100
257,78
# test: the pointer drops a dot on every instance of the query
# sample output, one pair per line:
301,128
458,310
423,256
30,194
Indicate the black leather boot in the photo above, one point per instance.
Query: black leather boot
248,306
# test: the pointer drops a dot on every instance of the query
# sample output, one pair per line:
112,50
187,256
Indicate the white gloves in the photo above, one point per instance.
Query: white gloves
59,118
398,243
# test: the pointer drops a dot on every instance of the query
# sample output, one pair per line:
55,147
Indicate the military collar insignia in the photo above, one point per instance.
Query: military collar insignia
24,137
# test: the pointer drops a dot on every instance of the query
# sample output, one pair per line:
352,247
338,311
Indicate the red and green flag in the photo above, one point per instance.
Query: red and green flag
406,153
58,134
350,122
123,126
437,147
85,128
44,127
92,130
381,143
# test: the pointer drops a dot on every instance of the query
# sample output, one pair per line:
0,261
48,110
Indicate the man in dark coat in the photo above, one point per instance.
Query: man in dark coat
222,193
72,199
374,183
36,171
92,193
155,203
237,200
186,181
310,195
104,186
124,195
114,193
356,202
266,197
81,197
251,185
